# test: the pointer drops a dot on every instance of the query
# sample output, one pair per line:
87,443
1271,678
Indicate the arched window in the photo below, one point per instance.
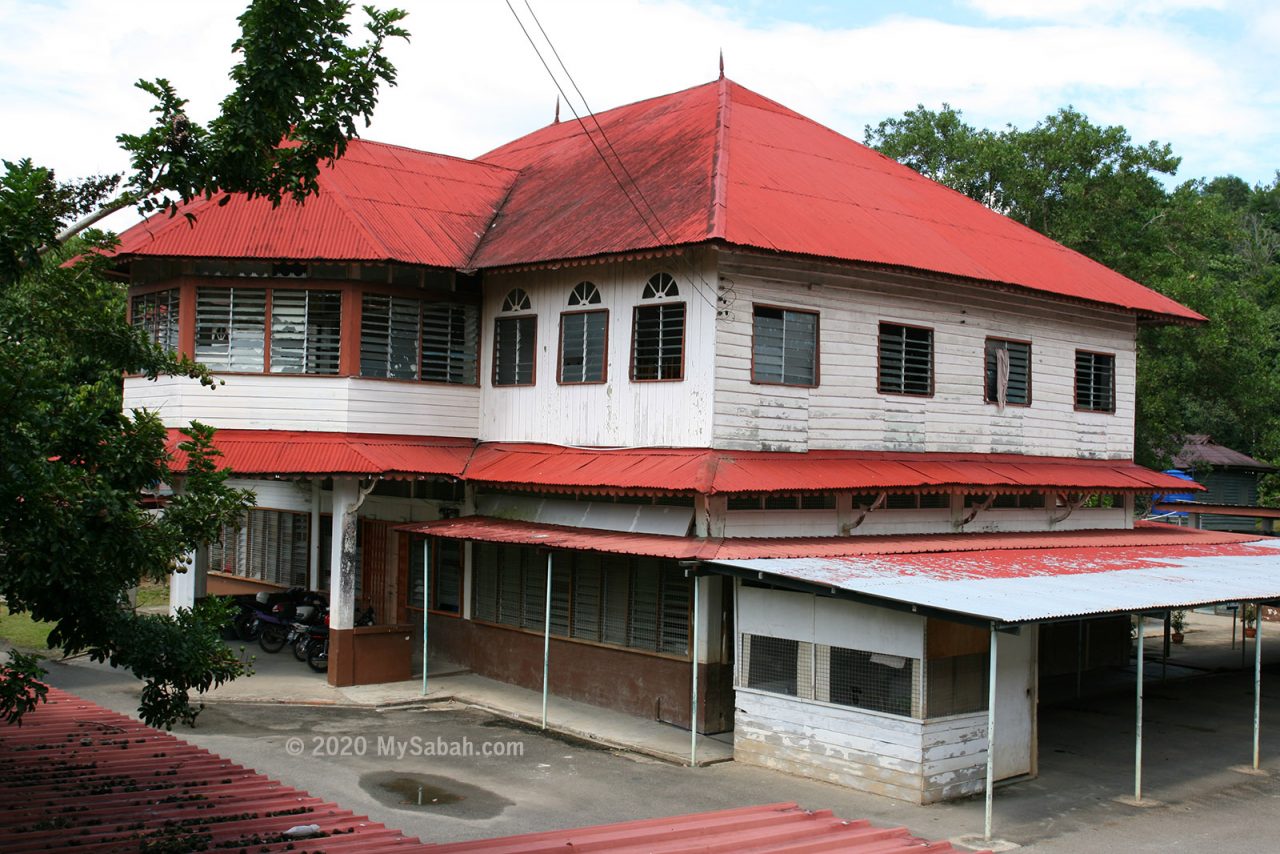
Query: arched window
514,340
583,338
657,332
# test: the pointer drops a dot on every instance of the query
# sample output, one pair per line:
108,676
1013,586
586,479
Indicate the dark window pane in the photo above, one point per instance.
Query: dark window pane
906,360
582,345
785,346
513,350
658,342
450,337
389,331
1018,384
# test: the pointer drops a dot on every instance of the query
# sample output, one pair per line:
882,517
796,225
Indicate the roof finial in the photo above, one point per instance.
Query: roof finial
557,121
721,63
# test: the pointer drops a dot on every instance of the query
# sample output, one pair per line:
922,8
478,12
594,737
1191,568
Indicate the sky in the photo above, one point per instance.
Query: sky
1198,74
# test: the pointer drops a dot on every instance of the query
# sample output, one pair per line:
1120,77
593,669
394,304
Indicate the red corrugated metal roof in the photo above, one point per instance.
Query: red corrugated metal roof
750,830
711,471
286,452
378,203
78,777
720,162
491,530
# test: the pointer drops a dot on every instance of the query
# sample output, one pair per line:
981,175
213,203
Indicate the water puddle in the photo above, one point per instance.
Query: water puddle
408,791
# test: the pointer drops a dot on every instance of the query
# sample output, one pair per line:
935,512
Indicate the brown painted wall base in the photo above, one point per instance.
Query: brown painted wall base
370,655
221,584
649,686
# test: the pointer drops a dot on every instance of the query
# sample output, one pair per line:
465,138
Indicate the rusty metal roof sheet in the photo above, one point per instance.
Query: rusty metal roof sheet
378,203
492,530
1037,584
291,452
1200,451
719,162
78,777
749,830
1217,509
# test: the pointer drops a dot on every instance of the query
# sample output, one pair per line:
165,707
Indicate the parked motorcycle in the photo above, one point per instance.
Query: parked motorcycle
282,611
318,646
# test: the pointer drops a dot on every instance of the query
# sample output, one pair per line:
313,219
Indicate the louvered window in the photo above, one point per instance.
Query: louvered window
582,346
157,314
642,603
1095,381
450,335
446,575
268,545
389,337
513,350
906,359
658,342
784,346
231,328
1008,372
305,331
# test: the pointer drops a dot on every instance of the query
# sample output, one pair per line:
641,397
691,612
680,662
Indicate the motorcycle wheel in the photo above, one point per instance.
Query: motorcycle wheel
246,625
318,660
302,647
273,638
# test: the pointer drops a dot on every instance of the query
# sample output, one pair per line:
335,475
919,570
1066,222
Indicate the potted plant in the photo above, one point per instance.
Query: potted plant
1177,622
1247,616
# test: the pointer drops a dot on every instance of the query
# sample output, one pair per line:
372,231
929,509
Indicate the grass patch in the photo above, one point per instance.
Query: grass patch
23,632
151,593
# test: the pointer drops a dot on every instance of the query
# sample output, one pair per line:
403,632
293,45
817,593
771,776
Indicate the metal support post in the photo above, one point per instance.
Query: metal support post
991,737
1137,755
1257,683
693,703
546,644
426,605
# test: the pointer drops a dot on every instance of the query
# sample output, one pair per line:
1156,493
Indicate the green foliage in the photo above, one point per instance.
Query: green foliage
20,687
73,535
1212,245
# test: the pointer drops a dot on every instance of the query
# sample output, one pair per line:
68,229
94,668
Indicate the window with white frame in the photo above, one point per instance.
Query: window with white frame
306,331
1007,379
267,545
1095,381
657,335
583,338
784,346
906,360
156,313
514,342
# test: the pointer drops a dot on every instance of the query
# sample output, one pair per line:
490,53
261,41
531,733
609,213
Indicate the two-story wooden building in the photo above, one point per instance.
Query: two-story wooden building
699,373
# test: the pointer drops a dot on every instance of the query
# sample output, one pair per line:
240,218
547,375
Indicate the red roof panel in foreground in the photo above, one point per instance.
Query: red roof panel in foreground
750,830
78,777
284,452
491,530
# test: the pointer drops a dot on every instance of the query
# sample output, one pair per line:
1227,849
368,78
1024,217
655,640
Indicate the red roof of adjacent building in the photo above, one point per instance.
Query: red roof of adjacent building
77,777
715,163
287,452
378,203
667,470
1145,535
779,828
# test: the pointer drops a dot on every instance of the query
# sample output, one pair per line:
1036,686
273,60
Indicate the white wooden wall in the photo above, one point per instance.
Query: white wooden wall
847,411
618,412
332,404
834,622
825,523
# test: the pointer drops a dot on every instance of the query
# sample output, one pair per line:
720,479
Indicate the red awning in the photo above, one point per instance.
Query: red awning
284,452
489,530
711,471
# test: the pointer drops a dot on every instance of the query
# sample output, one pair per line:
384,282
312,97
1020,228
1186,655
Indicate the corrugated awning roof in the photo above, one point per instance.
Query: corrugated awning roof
712,471
490,530
1200,451
749,830
1013,586
283,452
78,777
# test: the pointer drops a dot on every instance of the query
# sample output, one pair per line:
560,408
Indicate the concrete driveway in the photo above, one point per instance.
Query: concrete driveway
525,781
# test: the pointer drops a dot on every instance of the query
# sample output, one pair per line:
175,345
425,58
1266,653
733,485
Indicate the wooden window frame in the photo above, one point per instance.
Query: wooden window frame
409,542
604,370
987,343
493,368
684,337
817,345
933,359
1075,381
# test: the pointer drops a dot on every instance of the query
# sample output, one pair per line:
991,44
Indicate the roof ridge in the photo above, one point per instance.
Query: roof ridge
355,219
718,215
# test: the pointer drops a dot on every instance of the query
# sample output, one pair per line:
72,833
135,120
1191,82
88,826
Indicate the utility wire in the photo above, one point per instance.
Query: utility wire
669,241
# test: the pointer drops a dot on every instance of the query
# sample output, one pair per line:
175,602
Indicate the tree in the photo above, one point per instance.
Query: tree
1212,245
73,535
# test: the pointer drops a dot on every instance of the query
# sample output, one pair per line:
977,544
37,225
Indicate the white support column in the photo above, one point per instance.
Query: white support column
1137,748
426,605
693,649
991,738
185,588
314,576
342,570
546,644
1257,684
